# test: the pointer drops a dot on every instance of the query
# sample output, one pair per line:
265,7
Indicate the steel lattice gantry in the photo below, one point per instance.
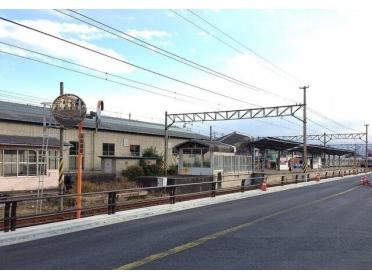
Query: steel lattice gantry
252,113
265,112
325,138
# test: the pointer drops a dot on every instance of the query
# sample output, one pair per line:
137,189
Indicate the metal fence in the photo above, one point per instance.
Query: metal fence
343,162
232,163
19,211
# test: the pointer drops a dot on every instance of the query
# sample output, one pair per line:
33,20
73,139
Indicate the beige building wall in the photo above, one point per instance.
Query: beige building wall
93,142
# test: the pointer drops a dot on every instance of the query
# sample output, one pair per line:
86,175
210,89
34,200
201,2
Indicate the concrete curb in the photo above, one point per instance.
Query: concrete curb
69,226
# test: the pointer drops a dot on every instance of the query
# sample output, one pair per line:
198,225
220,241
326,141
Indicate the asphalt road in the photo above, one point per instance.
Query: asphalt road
327,226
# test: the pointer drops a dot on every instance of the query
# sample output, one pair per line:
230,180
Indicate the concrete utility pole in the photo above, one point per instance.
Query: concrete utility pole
166,143
366,146
61,175
304,134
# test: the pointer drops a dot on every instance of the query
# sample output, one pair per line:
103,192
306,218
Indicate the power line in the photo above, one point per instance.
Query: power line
175,57
117,59
244,46
331,120
126,62
97,77
102,72
50,64
161,51
255,53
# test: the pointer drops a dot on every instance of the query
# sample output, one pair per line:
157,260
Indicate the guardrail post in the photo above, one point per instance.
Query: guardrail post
111,206
6,216
13,216
172,193
213,189
242,188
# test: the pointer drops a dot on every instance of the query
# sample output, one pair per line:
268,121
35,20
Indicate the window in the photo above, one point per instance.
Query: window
108,149
1,162
10,162
32,162
53,159
42,162
22,162
134,150
73,155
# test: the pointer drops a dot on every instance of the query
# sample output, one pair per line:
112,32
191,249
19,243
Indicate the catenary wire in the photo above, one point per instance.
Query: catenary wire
120,60
244,46
126,62
259,56
102,72
163,51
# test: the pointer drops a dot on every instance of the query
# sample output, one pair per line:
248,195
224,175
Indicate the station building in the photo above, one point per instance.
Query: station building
117,143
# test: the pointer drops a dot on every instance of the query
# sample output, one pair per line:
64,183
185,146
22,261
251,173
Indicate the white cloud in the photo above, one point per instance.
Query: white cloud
72,32
335,60
148,34
80,31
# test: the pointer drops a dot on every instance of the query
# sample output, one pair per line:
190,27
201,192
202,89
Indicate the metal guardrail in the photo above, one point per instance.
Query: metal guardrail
112,205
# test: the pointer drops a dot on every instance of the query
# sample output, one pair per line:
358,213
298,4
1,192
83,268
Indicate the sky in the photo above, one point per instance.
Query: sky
274,50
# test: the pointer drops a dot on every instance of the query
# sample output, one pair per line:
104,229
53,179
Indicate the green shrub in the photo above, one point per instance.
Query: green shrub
133,172
172,170
152,169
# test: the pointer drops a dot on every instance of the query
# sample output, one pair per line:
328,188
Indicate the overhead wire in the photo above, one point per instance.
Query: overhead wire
94,76
255,53
50,64
102,72
161,51
109,56
152,46
125,62
245,46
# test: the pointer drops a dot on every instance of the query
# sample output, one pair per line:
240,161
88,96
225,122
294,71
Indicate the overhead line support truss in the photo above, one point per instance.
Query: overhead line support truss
325,138
253,113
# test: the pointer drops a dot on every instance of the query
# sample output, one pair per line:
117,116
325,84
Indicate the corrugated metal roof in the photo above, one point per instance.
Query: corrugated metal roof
214,145
27,141
34,114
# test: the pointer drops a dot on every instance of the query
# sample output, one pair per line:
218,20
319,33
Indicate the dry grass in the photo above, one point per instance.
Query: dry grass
117,184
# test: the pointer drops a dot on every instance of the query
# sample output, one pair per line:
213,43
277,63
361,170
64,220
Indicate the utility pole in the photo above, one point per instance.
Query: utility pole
166,143
366,146
79,173
324,144
304,134
61,171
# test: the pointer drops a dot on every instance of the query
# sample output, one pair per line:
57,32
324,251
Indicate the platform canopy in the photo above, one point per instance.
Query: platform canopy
293,146
214,146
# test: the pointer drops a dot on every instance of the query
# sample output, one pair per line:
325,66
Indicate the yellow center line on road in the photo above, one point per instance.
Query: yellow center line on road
200,241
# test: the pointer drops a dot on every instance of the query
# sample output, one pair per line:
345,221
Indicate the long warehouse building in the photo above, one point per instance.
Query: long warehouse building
117,144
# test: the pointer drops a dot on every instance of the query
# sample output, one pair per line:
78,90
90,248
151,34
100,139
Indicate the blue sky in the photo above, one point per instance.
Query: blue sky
324,48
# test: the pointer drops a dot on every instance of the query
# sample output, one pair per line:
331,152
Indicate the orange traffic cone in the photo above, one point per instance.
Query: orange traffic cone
366,182
263,185
317,177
